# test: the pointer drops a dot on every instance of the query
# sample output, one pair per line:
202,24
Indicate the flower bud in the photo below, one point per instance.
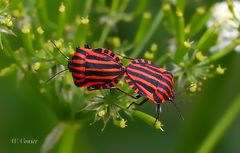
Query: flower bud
26,29
84,20
40,30
7,70
101,113
187,44
200,56
148,119
121,123
220,70
36,66
193,87
62,8
154,47
147,15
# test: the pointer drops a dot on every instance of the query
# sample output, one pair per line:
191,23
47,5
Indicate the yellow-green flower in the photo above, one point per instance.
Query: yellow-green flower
62,8
200,56
7,70
201,10
101,113
187,29
121,123
193,87
40,30
42,90
147,15
159,125
187,44
116,42
36,66
26,29
150,120
154,47
148,55
166,6
59,43
220,70
8,21
16,13
179,13
84,20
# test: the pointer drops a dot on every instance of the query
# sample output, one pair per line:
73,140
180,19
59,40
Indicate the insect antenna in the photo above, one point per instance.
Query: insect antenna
52,77
178,110
59,50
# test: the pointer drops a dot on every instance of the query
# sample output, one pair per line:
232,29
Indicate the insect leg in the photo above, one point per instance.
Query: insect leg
130,58
142,102
128,94
158,110
86,46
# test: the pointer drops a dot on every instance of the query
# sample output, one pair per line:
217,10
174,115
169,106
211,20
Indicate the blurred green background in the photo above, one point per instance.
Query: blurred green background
24,113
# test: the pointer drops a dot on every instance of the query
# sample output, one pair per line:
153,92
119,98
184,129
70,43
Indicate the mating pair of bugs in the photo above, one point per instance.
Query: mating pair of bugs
100,68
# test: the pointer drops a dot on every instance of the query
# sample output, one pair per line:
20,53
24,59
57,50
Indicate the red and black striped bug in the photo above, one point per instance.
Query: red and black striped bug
102,69
95,69
151,82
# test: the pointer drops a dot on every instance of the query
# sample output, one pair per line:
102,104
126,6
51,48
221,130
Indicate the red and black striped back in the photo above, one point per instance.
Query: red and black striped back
95,68
150,81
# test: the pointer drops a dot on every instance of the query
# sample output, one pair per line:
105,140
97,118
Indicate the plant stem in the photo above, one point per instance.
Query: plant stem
149,34
104,35
88,7
225,51
68,138
220,127
27,40
61,23
43,13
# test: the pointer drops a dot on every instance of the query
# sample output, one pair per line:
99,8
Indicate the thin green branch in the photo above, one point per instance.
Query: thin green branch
104,35
149,34
225,51
221,127
88,7
68,138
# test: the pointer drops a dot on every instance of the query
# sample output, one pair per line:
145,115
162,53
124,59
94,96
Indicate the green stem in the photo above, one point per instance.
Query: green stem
104,35
218,55
218,131
140,7
149,34
124,5
181,4
61,23
43,13
143,28
162,59
9,50
27,40
68,138
115,5
224,51
180,35
88,7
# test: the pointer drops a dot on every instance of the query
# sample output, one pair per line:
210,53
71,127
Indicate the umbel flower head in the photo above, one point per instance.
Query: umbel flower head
228,21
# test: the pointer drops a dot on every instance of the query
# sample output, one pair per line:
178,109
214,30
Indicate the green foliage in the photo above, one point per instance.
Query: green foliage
188,55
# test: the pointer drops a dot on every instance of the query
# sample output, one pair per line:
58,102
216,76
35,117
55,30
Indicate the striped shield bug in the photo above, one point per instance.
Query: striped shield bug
95,69
151,82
